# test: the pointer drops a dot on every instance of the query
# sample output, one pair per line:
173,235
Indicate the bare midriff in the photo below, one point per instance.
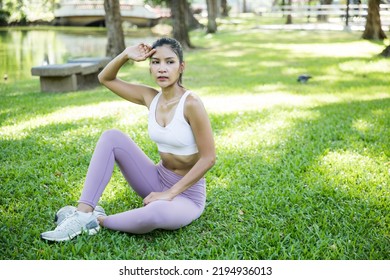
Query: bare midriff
177,163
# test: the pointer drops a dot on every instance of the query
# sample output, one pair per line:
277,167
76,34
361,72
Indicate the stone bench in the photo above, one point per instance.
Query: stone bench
100,61
76,74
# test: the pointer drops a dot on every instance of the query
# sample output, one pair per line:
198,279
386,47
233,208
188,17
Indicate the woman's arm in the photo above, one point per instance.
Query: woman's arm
201,127
138,94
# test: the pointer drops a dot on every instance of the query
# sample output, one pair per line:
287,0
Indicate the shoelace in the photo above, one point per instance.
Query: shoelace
68,223
69,214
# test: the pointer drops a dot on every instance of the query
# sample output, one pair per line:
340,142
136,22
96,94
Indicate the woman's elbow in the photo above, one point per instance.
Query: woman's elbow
101,78
210,161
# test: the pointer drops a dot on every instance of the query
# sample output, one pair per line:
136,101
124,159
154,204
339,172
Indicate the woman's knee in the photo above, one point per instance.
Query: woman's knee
113,137
112,134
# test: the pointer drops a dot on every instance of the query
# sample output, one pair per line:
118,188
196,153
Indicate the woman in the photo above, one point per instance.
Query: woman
173,190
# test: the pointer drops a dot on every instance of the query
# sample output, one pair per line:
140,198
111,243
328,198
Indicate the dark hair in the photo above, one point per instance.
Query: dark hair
176,48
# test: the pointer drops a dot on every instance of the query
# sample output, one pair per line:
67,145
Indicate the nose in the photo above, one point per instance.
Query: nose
162,68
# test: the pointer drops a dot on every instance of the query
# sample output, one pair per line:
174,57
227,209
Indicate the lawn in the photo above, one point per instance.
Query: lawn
302,170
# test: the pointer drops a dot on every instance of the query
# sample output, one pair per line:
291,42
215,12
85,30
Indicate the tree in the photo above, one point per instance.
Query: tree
386,52
289,16
4,15
289,9
212,10
180,10
17,11
324,18
192,22
224,8
373,29
244,7
22,12
115,37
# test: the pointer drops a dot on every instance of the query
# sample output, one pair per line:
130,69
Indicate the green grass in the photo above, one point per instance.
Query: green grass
302,170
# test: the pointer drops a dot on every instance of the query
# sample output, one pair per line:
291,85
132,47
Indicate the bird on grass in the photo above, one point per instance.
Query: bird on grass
304,78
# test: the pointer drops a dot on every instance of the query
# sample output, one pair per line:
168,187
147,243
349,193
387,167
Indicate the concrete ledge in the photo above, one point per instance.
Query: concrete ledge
88,68
101,61
56,70
81,73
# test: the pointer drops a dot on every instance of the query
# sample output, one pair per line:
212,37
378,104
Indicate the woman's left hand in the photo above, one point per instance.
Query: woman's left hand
153,196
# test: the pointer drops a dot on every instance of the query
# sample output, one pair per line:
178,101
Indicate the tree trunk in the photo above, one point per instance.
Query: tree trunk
192,22
373,29
179,10
324,18
224,8
386,52
289,16
212,16
115,37
244,7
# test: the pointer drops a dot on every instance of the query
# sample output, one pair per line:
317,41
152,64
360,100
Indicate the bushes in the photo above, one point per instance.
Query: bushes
4,15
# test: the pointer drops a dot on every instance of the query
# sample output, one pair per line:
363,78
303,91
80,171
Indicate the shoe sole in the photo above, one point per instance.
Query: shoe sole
91,231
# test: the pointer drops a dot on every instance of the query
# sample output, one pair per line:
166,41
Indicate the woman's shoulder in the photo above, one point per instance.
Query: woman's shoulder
150,95
193,101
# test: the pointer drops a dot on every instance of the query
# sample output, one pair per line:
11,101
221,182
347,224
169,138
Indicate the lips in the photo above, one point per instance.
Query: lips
162,78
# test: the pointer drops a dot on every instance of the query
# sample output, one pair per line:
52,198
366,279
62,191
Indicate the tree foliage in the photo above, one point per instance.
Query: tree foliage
20,11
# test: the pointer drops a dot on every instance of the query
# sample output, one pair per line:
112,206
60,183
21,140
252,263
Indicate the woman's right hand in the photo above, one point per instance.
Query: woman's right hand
139,52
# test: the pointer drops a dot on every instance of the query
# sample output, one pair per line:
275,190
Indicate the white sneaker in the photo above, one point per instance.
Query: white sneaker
63,213
69,210
73,225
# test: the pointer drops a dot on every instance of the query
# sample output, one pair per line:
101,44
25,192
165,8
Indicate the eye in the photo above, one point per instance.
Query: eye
155,62
170,61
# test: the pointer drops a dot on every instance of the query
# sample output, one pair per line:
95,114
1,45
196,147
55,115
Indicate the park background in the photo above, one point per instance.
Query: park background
302,169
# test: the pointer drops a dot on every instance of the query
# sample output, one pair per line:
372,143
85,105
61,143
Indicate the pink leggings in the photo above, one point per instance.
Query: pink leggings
144,177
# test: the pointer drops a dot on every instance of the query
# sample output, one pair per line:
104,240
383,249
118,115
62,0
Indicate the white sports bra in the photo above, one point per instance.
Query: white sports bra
177,137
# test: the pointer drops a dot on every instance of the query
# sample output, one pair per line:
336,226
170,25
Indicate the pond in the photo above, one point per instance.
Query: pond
21,49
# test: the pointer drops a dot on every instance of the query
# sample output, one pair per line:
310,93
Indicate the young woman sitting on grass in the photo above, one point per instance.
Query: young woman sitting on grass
173,190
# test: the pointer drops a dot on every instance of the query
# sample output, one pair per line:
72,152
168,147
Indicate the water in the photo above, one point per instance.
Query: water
22,49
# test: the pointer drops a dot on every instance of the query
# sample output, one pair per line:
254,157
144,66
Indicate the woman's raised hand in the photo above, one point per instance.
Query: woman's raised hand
139,52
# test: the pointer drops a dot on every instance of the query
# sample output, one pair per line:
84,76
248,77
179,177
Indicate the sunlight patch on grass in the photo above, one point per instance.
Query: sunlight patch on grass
364,67
355,173
379,112
255,132
362,125
235,53
249,102
70,114
270,64
293,71
233,64
355,49
269,88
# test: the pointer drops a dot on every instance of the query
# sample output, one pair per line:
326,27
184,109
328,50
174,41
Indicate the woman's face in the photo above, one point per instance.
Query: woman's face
165,66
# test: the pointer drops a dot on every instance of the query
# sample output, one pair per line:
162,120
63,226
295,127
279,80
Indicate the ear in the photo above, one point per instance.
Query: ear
182,67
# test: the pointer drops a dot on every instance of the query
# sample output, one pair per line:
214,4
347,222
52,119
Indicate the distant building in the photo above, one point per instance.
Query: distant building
91,13
236,6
